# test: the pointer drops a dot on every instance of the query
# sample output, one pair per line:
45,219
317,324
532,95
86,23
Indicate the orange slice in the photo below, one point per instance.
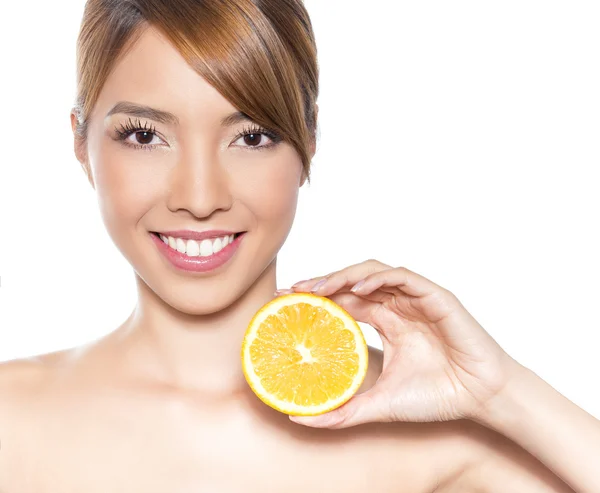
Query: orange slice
304,355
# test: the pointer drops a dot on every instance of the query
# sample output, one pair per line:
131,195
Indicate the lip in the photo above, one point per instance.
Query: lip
197,264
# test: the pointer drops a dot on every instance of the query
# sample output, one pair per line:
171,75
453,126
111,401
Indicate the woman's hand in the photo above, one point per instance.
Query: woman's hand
439,364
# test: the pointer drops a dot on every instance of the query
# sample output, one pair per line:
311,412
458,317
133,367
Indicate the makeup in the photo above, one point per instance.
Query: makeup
198,263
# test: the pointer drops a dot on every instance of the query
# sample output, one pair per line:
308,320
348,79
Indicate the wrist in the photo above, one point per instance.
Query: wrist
506,406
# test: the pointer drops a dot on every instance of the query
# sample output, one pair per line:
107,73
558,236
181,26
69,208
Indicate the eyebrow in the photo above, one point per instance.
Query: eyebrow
161,116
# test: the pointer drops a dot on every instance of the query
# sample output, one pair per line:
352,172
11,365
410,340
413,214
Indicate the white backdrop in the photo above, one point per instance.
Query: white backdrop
459,139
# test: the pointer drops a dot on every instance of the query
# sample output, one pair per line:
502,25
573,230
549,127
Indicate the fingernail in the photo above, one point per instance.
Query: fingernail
317,286
357,286
316,421
298,283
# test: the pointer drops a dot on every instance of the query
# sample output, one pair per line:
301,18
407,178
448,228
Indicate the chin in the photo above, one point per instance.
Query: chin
206,296
205,304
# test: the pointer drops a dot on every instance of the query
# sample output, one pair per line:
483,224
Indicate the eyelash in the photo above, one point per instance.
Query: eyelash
130,128
257,129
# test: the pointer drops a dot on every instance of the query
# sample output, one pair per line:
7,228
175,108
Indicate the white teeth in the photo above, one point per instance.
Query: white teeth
192,249
206,248
217,246
180,245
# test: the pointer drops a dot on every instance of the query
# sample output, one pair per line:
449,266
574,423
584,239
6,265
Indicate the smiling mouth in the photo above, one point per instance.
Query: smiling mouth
198,248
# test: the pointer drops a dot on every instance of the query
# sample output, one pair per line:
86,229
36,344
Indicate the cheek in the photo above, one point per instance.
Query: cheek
271,194
125,187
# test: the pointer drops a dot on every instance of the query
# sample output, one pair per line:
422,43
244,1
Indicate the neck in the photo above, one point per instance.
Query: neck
198,352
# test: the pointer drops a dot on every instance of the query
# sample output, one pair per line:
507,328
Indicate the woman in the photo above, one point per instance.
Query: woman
195,124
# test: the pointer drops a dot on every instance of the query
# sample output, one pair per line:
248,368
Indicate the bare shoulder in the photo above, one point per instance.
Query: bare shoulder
461,455
455,456
464,456
441,454
23,378
18,378
20,381
500,465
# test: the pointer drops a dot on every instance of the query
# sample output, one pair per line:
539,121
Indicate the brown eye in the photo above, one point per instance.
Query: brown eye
252,139
144,137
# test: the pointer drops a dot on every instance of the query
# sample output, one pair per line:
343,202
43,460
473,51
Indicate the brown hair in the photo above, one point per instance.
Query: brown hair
260,55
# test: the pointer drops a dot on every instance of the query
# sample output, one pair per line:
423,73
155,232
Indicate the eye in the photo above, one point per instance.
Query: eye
252,137
142,136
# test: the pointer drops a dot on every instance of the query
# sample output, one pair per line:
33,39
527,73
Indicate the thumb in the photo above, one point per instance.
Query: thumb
359,409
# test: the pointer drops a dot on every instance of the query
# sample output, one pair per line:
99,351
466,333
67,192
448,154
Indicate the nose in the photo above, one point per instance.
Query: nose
199,184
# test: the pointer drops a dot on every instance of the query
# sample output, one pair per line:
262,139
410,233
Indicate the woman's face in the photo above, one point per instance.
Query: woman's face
196,175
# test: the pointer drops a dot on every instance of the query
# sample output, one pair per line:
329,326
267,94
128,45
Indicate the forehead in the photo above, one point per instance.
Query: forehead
153,72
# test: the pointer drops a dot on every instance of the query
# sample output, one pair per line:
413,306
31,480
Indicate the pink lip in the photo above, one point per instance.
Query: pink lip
197,264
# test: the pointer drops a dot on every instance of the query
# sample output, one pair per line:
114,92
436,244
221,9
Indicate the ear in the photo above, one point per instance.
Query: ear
79,146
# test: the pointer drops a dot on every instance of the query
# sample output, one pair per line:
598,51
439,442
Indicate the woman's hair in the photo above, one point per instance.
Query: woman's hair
260,55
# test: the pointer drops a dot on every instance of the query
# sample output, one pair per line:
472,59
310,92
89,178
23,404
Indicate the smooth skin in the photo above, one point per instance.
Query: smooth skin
160,403
441,365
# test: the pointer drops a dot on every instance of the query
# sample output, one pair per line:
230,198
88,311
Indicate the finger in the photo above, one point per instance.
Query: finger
280,291
360,308
308,283
361,408
345,289
345,277
346,298
406,280
378,295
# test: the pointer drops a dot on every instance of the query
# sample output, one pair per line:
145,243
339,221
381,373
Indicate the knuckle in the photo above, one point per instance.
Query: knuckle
373,266
447,292
446,296
453,297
